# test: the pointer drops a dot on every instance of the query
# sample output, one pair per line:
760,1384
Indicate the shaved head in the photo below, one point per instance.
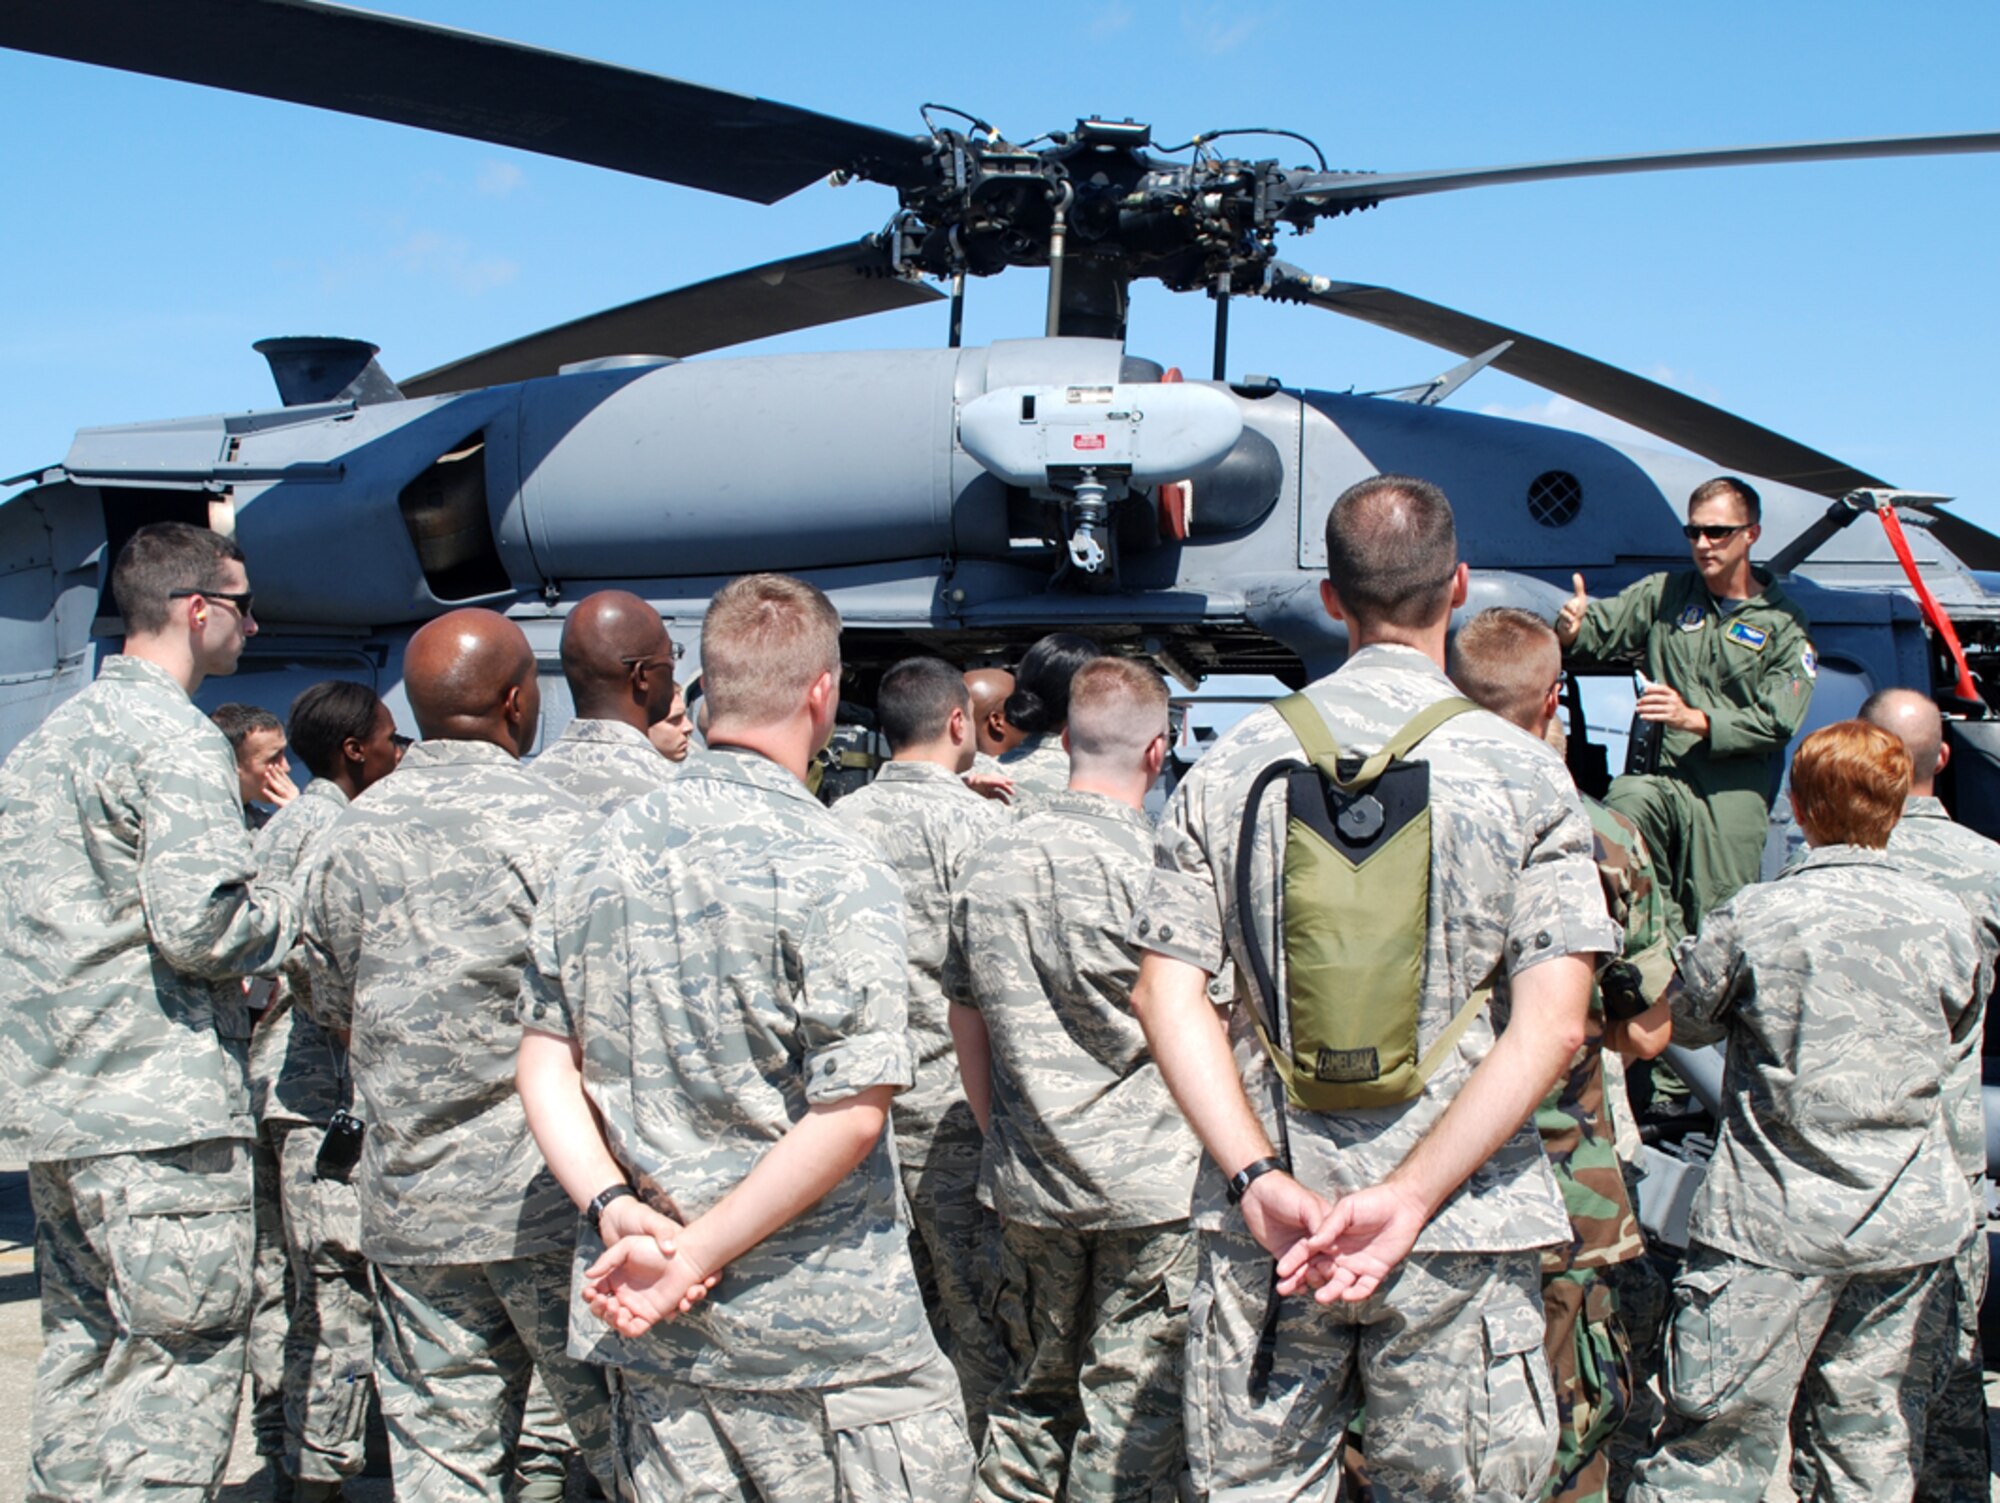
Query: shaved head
618,659
470,676
1913,719
989,688
1506,660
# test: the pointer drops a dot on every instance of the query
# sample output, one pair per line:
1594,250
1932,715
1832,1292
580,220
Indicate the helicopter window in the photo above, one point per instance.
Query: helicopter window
126,510
1554,498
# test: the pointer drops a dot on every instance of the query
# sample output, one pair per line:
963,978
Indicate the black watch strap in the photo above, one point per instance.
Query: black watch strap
1243,1178
594,1212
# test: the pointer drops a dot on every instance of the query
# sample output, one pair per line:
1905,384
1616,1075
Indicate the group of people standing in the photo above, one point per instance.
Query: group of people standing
972,1136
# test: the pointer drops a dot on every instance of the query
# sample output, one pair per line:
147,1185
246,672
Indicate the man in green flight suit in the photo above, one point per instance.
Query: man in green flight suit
1731,673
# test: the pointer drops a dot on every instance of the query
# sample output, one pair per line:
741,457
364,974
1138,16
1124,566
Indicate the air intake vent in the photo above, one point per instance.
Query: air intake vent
1554,498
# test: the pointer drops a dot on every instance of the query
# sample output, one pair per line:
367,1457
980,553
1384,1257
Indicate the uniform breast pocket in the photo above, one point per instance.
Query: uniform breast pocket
180,1254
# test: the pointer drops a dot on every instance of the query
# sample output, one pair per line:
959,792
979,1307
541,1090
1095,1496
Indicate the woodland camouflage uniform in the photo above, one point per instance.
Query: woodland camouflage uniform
1751,668
925,823
1088,1162
298,1074
1823,1233
129,906
1448,1353
726,956
417,927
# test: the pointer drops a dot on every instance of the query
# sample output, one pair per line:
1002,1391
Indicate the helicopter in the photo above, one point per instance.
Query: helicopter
943,497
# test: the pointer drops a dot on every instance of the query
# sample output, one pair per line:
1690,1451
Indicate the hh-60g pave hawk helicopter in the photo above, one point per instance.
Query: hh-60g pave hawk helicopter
959,497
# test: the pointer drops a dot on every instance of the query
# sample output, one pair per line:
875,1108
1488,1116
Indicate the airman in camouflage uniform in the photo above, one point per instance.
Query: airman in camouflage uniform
1430,1255
1087,1162
1956,1460
1036,711
920,818
619,663
1732,671
129,906
1508,661
715,1022
417,929
1038,767
1823,1233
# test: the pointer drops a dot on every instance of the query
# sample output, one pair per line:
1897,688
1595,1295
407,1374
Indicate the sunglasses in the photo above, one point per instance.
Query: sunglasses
242,600
1714,532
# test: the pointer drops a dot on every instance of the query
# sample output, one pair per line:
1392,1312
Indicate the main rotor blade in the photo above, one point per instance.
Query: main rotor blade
1732,442
1332,188
800,292
463,84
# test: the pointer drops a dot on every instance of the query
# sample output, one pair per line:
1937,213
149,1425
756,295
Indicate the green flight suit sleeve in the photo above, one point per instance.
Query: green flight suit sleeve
1615,630
1770,712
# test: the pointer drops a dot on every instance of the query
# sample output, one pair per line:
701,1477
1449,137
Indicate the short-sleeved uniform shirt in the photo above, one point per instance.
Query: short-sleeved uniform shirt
728,956
925,823
417,912
1512,885
297,1072
604,764
129,905
1750,667
1965,863
1084,1133
1836,988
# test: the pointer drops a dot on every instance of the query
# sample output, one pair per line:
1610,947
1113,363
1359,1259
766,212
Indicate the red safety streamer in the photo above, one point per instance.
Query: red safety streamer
1933,612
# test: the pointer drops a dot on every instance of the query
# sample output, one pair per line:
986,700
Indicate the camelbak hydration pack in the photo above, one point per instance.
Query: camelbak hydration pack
1355,913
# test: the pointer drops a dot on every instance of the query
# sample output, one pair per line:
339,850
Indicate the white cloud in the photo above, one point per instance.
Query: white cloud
1561,412
1216,28
497,179
433,253
1113,17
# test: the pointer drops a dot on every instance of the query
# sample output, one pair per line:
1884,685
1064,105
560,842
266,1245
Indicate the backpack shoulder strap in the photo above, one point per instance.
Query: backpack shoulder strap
1303,716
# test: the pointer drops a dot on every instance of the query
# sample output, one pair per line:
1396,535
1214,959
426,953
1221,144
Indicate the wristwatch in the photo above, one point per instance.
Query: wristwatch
1243,1178
594,1212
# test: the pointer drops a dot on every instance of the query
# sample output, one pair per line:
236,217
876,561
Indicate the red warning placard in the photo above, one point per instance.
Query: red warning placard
1089,441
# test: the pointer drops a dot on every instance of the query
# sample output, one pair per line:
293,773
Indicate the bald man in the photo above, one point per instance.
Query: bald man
989,688
619,662
418,909
1954,1454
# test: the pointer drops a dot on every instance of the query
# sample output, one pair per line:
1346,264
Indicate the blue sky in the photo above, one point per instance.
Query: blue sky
157,229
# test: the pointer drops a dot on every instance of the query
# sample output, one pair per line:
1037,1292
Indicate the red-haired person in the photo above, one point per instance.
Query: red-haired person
1822,1237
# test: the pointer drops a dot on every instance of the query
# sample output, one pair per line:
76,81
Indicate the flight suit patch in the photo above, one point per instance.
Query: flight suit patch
1743,634
1692,619
1809,660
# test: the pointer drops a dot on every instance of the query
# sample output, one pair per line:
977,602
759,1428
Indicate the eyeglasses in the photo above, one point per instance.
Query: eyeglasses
1714,532
243,600
674,651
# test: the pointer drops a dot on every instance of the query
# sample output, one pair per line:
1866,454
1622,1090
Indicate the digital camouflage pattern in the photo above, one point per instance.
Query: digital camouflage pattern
453,1360
129,905
1084,1133
604,764
924,822
418,908
1095,1326
1957,1461
1751,669
1449,1353
898,1440
144,1262
297,1072
329,1341
727,956
1039,767
1747,1342
1512,884
1837,988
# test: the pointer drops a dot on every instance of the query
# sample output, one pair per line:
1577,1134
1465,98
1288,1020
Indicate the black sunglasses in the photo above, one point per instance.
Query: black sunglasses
243,600
1717,532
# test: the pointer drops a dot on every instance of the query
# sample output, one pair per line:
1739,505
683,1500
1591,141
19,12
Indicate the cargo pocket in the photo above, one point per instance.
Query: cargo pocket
1198,1385
1603,1371
180,1254
1514,1430
1698,1371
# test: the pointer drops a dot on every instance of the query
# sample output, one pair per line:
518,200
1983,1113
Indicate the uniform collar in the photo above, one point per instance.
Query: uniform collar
1925,807
1769,591
927,774
124,668
427,754
1093,806
612,732
1381,657
1838,855
327,789
738,764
